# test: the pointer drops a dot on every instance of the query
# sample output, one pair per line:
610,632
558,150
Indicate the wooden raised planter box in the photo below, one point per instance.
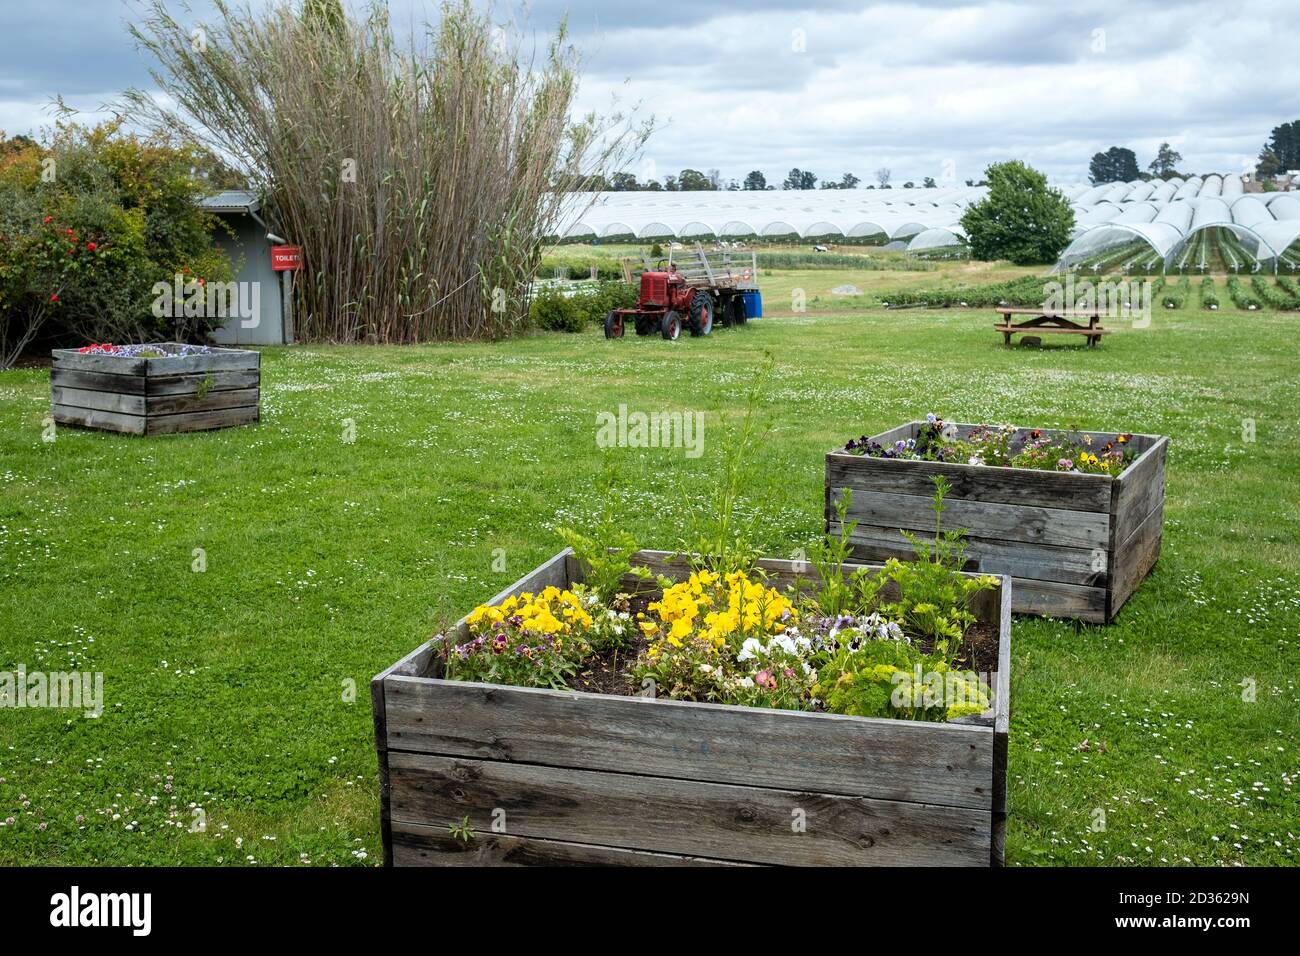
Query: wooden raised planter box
576,778
1077,546
144,396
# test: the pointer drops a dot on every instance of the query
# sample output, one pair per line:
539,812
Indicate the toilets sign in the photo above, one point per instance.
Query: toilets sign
286,258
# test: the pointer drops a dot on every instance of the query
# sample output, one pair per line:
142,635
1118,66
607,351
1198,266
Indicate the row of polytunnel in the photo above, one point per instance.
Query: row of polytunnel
1200,223
894,215
1208,224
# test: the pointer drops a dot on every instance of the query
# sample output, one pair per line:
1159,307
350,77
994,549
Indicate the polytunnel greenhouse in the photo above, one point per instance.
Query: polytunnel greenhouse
1198,224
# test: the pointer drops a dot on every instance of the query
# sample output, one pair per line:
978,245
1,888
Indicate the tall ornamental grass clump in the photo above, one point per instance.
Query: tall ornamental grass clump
417,176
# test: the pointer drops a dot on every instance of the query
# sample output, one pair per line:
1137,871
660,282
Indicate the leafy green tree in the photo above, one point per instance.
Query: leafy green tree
755,181
1116,165
1269,165
1284,143
692,180
1021,219
623,182
929,183
1165,165
799,179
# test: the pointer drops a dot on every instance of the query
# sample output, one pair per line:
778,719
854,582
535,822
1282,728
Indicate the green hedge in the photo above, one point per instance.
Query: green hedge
556,311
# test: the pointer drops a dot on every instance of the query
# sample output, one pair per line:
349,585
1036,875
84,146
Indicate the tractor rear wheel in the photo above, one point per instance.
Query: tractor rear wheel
613,326
671,327
738,315
701,314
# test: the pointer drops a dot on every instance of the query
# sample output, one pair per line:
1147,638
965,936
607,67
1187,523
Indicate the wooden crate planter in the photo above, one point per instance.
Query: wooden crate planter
1077,546
143,396
582,778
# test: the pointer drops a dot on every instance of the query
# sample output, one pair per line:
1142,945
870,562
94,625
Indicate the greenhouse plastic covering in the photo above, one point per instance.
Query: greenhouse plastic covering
1164,217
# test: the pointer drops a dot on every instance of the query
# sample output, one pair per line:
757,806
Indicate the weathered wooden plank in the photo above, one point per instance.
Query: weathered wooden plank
1052,526
1139,489
86,362
1001,727
210,401
416,845
98,418
216,360
201,421
1136,557
102,401
97,381
990,556
189,384
1016,486
886,759
1054,599
750,824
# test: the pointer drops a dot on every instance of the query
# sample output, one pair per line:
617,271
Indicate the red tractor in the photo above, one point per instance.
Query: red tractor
690,297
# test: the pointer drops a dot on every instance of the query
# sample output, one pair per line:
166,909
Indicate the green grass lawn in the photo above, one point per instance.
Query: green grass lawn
327,560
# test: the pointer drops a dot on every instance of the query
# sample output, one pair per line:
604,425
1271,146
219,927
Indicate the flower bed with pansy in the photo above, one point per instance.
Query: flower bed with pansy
149,350
1074,516
735,638
1004,446
689,715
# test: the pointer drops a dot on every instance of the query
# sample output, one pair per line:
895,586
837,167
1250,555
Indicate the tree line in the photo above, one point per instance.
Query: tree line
693,180
1118,164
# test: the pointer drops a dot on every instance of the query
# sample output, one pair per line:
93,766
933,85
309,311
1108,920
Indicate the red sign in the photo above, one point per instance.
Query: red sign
286,258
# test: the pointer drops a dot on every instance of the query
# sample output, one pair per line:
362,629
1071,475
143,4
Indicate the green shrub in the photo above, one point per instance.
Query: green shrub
1288,287
121,216
595,302
1269,295
1174,296
1209,297
1240,295
553,311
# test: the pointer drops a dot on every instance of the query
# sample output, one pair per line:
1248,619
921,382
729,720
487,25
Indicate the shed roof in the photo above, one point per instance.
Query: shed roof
232,200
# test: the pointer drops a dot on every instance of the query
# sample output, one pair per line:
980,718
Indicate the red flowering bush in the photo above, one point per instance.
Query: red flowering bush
81,250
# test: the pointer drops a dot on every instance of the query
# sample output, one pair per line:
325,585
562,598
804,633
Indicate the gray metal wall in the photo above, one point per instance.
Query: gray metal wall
250,257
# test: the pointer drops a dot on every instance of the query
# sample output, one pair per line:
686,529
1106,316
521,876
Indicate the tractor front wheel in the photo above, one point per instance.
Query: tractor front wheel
613,326
671,327
701,314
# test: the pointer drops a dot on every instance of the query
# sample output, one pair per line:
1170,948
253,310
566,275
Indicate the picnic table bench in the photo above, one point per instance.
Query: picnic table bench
1051,321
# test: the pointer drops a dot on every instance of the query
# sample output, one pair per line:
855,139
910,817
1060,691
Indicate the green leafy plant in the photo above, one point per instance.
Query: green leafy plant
934,599
606,549
835,595
719,537
462,831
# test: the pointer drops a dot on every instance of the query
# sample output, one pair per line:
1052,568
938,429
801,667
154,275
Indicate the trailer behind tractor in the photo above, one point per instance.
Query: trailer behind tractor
690,292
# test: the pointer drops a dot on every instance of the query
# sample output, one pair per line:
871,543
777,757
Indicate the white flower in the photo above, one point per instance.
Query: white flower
784,643
746,682
750,649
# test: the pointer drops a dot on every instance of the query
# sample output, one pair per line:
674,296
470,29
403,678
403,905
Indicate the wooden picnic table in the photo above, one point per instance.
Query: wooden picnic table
1052,322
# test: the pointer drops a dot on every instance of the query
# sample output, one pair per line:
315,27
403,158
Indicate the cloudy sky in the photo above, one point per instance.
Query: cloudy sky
925,88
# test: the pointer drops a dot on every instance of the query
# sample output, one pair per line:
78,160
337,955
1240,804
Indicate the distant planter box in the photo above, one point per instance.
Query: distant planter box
154,396
1077,546
551,777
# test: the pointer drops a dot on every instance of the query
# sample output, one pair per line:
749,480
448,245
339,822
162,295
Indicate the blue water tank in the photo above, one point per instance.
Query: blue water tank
753,304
